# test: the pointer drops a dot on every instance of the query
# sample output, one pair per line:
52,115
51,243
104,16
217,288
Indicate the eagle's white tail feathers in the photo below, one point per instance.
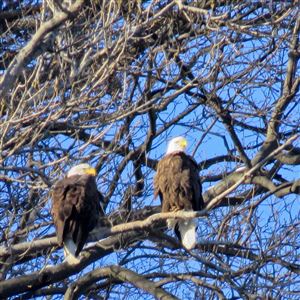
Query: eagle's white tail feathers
69,251
188,233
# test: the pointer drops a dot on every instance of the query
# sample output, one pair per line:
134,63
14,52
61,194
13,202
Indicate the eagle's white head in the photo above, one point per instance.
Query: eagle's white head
82,169
177,144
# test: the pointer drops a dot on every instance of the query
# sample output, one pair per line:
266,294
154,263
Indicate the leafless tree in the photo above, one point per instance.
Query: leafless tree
109,82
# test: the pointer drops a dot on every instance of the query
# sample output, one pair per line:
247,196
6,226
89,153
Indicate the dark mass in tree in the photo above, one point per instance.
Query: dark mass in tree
76,208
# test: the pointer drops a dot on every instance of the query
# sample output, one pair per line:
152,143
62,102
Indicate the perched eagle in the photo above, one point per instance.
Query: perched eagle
76,208
178,185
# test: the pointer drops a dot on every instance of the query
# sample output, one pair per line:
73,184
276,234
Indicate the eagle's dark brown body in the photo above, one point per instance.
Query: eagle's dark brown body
177,182
76,208
178,185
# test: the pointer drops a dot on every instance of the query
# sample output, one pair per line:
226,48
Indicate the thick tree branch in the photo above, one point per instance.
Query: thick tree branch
249,173
52,274
290,89
118,273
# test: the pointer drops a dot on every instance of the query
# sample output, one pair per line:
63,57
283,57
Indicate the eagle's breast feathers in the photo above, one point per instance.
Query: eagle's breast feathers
178,184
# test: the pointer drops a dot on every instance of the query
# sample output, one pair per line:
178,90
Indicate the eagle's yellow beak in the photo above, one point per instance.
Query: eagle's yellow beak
183,143
91,171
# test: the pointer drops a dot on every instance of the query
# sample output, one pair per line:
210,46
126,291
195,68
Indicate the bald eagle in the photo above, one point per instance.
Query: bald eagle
178,185
76,209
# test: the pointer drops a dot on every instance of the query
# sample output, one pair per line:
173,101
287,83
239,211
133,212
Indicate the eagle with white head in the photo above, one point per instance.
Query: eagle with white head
76,209
178,185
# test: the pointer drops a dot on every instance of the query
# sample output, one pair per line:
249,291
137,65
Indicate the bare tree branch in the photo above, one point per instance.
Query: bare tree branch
118,273
27,53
